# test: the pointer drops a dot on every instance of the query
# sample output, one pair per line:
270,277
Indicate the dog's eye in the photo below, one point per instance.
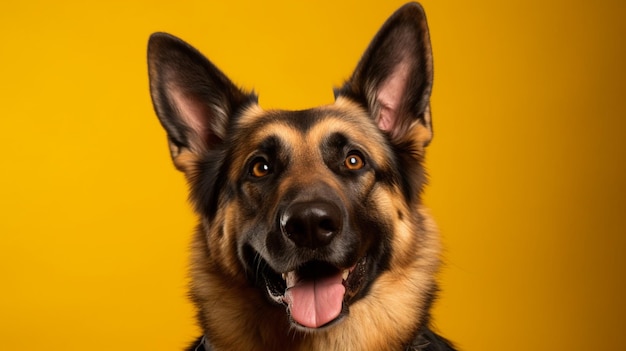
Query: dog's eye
354,162
260,168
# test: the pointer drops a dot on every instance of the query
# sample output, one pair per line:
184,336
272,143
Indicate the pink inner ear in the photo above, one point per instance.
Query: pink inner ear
390,96
195,115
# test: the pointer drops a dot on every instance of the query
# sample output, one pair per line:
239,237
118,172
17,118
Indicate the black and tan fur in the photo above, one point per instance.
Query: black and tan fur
315,192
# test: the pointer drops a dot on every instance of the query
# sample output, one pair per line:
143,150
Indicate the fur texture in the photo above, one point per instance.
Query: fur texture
312,234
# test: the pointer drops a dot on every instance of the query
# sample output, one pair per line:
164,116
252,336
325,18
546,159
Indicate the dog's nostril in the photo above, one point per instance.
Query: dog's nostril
311,224
327,225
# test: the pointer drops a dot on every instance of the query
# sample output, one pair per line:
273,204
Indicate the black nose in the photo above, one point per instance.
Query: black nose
311,224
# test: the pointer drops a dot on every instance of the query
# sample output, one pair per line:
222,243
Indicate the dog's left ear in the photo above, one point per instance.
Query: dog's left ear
394,78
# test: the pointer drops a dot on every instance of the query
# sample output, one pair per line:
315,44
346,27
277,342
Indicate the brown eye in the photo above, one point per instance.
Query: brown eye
260,168
354,162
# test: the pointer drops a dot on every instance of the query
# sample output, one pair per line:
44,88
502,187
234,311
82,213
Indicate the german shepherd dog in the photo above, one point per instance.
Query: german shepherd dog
312,234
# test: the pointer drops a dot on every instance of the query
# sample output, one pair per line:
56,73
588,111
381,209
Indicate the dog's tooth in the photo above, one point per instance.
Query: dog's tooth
345,274
290,278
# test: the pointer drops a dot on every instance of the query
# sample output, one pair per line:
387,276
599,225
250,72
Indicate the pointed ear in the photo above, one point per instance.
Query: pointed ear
192,98
394,78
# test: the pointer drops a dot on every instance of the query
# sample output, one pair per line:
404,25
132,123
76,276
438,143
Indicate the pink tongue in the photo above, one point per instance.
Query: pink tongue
314,303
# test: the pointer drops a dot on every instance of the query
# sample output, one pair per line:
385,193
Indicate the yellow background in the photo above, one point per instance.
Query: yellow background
528,164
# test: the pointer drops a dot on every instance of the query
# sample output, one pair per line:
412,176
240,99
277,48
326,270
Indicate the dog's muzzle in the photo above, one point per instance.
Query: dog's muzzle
316,288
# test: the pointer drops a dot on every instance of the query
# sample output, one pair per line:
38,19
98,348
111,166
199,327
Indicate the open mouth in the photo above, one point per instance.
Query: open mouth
317,293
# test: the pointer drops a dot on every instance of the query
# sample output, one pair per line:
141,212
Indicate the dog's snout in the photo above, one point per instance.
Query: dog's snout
311,224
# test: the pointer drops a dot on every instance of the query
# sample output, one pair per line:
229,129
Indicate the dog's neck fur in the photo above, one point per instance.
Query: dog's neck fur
423,341
237,328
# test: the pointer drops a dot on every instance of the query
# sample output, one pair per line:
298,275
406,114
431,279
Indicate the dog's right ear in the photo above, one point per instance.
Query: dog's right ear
193,99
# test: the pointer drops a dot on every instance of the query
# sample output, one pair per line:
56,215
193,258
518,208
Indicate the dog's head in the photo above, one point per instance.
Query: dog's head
312,206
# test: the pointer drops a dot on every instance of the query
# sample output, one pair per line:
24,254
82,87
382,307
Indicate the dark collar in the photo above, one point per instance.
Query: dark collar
426,340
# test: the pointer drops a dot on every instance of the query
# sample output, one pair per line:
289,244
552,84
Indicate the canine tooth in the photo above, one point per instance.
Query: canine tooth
290,279
345,274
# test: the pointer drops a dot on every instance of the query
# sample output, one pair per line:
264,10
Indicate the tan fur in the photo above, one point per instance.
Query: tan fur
299,194
184,159
383,320
395,302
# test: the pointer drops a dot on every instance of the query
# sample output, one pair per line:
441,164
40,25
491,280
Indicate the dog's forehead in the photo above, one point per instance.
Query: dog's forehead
307,128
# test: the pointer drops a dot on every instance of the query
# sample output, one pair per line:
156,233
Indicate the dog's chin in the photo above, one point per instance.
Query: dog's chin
317,294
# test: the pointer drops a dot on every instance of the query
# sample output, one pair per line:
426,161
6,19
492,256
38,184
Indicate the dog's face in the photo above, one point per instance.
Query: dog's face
315,209
307,205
